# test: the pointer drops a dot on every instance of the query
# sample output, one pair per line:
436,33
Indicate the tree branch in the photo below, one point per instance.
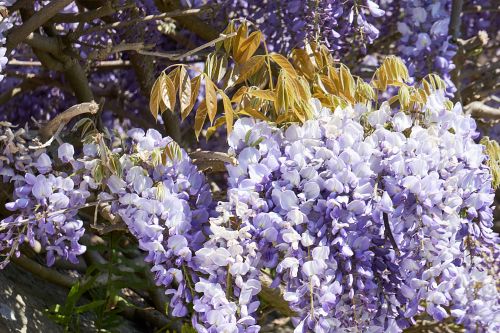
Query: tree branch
122,24
455,20
88,16
480,110
43,272
44,43
104,64
193,24
63,118
19,34
176,56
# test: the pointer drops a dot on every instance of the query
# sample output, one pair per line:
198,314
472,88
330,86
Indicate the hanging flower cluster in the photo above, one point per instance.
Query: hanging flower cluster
287,24
45,201
369,218
165,205
365,214
5,25
425,44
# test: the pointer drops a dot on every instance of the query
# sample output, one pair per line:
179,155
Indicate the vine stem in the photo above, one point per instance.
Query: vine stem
44,272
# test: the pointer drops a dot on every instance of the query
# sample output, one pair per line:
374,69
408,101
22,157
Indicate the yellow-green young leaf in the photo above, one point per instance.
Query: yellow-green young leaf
493,151
215,67
427,87
199,119
347,83
184,89
392,72
303,63
448,104
175,76
267,95
303,89
220,68
238,95
211,99
167,91
248,47
281,102
325,84
251,112
364,92
299,114
218,123
404,97
284,63
285,92
154,98
249,68
195,88
285,118
228,42
241,35
433,82
209,64
228,112
419,96
334,76
393,100
172,151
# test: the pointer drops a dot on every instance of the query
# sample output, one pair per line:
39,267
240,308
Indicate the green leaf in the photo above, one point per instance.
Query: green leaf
90,306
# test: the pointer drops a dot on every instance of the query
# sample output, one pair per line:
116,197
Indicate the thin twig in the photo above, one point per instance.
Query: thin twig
190,22
101,64
175,57
455,20
123,24
63,118
389,235
480,110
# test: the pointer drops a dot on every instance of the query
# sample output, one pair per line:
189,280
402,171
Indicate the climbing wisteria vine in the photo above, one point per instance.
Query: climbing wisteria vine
235,166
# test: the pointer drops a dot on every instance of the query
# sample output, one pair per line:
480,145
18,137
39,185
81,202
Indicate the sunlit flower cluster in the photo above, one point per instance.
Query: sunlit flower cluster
368,218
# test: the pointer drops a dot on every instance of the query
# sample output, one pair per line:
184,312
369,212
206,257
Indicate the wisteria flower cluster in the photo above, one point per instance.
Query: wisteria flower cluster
5,25
45,201
369,218
287,24
425,44
165,205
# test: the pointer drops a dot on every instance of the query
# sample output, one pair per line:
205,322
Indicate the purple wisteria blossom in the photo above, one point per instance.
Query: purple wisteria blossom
369,218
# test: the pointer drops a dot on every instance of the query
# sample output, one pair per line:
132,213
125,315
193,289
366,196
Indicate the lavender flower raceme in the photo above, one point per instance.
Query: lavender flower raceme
166,207
371,237
45,201
5,25
286,24
425,44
